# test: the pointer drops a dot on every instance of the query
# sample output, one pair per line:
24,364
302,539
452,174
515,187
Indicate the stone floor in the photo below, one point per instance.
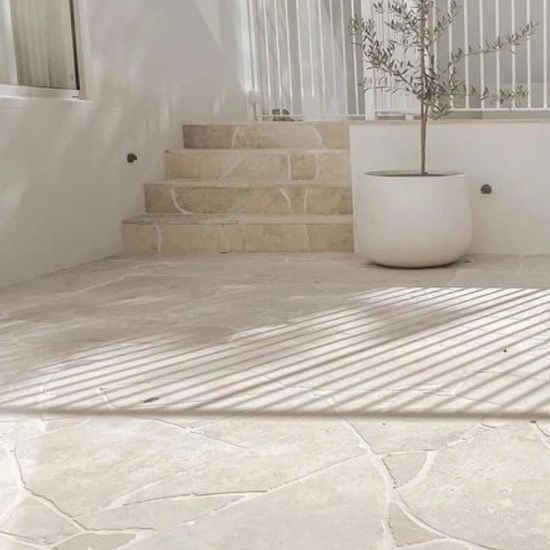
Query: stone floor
277,402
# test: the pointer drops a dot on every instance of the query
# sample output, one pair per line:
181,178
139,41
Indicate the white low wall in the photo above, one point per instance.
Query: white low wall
512,156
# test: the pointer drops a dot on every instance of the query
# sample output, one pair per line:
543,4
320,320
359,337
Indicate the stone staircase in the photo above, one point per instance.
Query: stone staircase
262,187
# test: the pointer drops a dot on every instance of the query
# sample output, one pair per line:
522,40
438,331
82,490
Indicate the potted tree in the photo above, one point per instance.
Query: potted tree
420,218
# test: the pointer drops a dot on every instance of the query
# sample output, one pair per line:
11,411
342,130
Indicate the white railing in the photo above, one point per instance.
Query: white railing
304,65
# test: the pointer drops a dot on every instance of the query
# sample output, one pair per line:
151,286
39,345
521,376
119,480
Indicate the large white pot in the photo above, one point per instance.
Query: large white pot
407,220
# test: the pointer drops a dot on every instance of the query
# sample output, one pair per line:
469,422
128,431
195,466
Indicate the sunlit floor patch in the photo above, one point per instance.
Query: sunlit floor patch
177,398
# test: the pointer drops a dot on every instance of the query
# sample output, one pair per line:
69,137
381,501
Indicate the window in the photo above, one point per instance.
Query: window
38,46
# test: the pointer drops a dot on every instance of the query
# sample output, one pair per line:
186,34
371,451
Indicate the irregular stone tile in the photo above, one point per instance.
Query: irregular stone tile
334,135
489,489
438,545
199,164
259,165
275,452
95,541
9,487
329,200
140,239
34,521
490,262
191,238
519,395
303,166
276,237
330,238
234,238
540,263
500,280
404,467
211,136
159,198
277,136
402,435
405,531
241,200
334,166
18,428
108,458
11,544
341,507
158,515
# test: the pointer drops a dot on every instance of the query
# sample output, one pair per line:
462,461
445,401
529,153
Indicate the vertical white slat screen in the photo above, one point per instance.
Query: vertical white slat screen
40,34
307,65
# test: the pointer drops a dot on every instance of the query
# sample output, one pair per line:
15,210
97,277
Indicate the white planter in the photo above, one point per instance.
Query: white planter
405,220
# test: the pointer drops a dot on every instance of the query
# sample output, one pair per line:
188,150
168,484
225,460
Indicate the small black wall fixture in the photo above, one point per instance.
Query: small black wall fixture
131,158
486,189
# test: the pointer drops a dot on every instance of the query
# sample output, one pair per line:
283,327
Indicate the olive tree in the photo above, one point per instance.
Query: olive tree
405,61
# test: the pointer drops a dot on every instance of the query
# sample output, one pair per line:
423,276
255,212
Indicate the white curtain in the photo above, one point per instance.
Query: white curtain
8,66
42,35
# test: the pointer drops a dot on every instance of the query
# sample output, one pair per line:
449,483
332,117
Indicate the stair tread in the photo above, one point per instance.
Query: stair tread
258,151
234,182
240,219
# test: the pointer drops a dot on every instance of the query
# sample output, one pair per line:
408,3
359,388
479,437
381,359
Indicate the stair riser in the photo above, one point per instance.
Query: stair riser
279,135
321,166
174,239
173,199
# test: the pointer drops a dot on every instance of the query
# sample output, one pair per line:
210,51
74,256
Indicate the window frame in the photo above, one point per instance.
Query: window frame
8,91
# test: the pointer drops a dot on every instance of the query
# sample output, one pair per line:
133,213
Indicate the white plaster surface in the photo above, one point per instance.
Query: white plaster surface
148,67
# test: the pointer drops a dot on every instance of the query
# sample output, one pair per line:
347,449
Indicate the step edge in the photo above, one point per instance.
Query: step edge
212,183
241,219
259,151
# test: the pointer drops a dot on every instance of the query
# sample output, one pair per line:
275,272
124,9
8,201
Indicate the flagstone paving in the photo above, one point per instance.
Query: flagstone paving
276,401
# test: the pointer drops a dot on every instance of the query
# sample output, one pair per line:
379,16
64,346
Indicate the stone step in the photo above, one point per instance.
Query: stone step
238,197
267,135
282,164
173,234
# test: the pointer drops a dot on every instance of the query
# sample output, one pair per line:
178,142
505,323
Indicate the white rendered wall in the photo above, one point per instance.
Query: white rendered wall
65,185
511,156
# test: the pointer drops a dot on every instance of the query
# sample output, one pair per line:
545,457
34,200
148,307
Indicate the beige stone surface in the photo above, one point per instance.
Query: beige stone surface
334,135
276,401
236,198
406,531
34,520
277,136
267,135
94,541
329,200
404,467
330,238
179,234
158,515
303,166
208,136
159,198
323,165
329,513
141,239
484,485
334,166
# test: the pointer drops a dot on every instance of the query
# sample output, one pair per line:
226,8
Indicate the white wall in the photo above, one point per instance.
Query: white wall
511,156
65,185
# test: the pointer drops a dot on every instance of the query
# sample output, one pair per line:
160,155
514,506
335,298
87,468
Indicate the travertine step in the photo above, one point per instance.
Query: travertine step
287,164
267,135
171,234
268,197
